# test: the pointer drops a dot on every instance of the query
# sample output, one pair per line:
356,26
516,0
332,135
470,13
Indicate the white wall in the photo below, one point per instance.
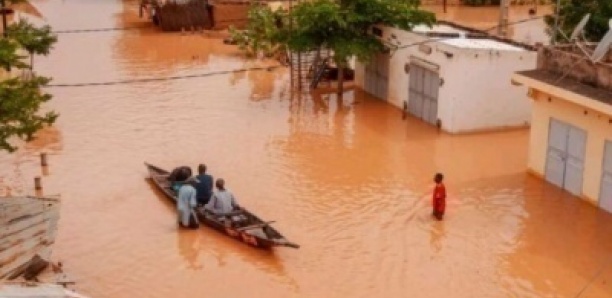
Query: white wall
476,94
484,95
399,79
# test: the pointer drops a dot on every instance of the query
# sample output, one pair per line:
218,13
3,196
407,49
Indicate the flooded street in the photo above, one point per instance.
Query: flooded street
348,180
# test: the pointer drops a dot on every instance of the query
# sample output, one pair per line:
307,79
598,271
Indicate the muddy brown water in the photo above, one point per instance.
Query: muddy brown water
347,179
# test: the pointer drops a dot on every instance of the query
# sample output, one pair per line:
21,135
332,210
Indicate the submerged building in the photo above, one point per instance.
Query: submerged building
451,76
571,131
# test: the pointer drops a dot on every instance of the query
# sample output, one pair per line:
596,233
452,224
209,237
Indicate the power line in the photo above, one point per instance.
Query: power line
99,29
69,31
147,80
170,78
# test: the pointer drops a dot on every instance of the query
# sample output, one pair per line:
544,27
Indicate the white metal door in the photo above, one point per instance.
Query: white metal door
605,195
574,165
376,76
565,156
555,159
423,93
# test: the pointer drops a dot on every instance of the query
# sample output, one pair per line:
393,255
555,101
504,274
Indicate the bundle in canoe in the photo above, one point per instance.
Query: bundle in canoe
253,231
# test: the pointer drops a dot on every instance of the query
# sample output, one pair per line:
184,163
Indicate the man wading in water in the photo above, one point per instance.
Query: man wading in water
439,197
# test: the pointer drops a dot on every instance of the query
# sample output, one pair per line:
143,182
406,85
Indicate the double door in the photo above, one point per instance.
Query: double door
605,195
565,156
377,76
423,93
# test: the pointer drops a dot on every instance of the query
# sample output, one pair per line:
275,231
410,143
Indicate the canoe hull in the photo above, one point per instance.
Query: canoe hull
263,237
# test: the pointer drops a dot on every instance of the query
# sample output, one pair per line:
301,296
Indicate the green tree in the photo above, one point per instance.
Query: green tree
8,55
20,101
21,98
261,33
572,11
37,41
342,26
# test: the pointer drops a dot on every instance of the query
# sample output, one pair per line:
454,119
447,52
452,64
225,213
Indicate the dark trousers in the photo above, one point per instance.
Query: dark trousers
203,200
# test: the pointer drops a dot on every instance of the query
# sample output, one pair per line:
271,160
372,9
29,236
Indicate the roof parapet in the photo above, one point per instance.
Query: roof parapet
568,61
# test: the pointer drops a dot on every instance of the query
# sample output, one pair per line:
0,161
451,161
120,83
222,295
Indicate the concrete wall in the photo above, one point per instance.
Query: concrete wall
569,61
476,94
483,93
597,126
399,79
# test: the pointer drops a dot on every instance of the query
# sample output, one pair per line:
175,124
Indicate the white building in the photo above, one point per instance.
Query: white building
450,76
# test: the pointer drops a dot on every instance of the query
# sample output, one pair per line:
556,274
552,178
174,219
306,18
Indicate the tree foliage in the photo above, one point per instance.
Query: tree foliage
20,101
262,32
342,26
21,98
37,41
9,57
572,11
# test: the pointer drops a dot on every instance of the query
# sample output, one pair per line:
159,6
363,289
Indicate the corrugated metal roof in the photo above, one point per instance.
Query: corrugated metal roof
465,42
437,28
482,44
37,290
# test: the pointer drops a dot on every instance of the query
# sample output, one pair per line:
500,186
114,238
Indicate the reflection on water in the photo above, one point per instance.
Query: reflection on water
189,244
346,178
437,235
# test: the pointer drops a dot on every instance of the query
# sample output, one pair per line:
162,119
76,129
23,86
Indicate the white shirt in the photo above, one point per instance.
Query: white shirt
222,201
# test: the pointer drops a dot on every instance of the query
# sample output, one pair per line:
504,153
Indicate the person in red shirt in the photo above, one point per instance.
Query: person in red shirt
439,197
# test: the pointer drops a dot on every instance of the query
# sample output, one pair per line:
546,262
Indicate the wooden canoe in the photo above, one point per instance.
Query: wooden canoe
254,231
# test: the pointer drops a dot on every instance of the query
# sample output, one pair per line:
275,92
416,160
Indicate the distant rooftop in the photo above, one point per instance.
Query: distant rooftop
469,38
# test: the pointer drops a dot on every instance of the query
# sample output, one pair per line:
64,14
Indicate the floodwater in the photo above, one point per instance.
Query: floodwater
347,179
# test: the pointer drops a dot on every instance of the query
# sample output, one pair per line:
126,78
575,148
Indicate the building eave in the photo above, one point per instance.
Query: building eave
565,89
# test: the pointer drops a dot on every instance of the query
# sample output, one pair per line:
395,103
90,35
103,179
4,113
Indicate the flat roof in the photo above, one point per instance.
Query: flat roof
597,99
464,40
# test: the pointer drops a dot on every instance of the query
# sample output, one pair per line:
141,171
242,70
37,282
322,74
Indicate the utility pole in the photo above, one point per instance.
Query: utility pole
502,29
4,25
556,28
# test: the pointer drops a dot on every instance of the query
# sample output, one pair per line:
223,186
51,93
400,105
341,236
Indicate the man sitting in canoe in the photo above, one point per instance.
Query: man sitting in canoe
223,201
186,202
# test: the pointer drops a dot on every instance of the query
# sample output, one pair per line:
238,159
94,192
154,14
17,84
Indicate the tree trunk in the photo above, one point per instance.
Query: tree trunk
340,80
31,61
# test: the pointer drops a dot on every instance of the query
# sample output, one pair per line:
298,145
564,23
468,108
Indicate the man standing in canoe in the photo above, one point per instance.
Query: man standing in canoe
204,188
439,197
186,203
